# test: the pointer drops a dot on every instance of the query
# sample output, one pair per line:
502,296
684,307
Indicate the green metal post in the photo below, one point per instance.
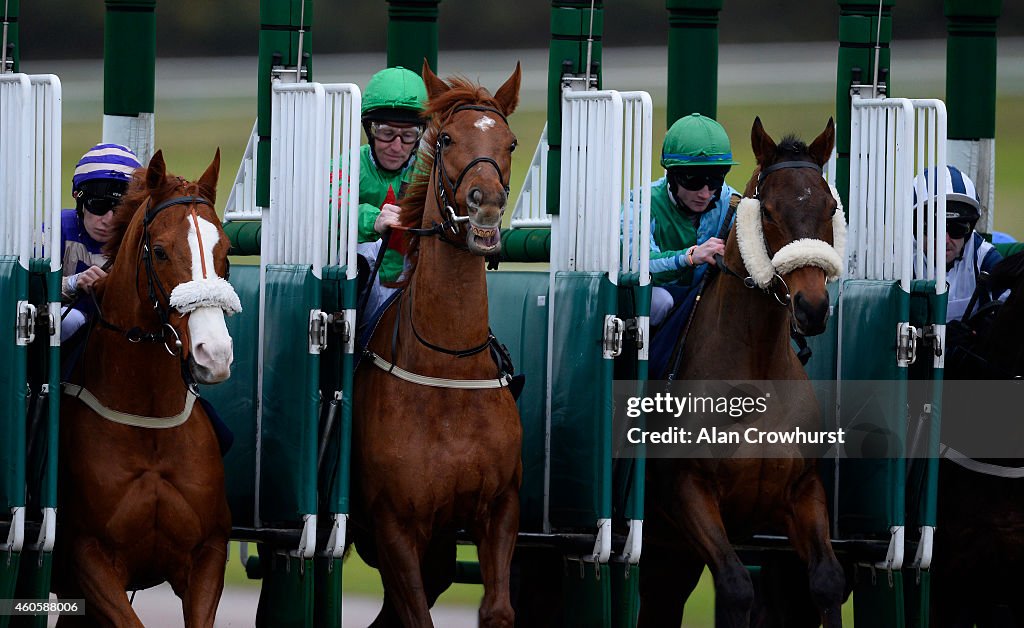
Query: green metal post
858,32
281,24
10,51
129,74
971,94
412,33
692,57
572,25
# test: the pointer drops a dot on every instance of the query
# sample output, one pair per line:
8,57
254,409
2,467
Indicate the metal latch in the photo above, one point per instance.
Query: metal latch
937,335
317,331
906,344
26,326
343,323
611,344
635,332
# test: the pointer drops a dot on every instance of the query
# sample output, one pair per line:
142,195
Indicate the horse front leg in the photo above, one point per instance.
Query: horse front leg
204,584
668,576
807,526
400,552
496,540
102,581
696,513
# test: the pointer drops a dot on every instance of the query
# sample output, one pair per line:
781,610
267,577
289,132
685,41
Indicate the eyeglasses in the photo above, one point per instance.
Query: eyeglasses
386,133
99,205
958,230
697,182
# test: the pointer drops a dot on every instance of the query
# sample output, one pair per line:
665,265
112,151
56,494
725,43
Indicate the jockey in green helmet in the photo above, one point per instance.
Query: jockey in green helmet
688,207
393,102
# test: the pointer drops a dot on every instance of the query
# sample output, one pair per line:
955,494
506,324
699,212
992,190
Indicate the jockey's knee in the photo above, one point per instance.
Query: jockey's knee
661,305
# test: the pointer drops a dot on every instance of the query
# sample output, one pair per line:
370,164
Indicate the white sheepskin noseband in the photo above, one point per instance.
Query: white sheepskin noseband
796,254
210,292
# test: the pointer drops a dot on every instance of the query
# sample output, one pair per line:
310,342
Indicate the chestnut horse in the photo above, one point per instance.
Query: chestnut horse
436,431
979,534
786,244
142,481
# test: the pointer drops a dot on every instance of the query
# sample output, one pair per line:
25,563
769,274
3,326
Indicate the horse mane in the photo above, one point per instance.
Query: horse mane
439,109
791,146
132,201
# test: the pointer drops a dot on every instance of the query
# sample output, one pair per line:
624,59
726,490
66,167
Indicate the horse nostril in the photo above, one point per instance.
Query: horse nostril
475,197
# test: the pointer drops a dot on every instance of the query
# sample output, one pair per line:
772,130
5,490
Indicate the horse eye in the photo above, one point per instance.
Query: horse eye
160,253
512,148
446,140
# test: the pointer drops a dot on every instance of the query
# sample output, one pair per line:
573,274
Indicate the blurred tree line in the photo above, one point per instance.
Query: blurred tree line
70,29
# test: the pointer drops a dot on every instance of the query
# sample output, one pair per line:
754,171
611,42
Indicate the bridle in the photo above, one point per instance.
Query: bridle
765,266
155,288
449,207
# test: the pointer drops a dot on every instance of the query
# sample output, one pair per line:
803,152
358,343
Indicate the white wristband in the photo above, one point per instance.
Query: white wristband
72,283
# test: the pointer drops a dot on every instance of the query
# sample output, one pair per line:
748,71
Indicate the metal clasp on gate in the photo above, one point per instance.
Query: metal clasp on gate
611,344
937,335
317,331
906,344
26,326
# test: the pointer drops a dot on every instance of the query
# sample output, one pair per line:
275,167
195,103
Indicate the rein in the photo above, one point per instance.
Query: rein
186,297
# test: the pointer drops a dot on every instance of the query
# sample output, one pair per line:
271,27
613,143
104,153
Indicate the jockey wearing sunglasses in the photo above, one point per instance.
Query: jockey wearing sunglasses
100,180
968,254
688,207
393,102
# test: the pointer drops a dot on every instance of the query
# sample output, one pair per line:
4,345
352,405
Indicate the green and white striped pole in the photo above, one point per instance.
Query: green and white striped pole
574,30
129,74
284,26
864,35
971,95
412,33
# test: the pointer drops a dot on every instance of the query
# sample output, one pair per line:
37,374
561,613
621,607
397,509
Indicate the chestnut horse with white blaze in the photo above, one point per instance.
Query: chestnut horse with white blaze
437,436
142,496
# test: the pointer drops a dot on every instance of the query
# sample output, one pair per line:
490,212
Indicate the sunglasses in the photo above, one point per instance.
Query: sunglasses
697,182
385,133
958,230
99,205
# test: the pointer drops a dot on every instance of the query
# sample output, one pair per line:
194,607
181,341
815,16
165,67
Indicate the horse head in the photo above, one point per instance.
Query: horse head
472,158
170,247
790,228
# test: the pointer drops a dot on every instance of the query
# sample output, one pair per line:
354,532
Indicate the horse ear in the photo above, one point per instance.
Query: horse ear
761,142
435,86
507,95
208,182
157,171
821,148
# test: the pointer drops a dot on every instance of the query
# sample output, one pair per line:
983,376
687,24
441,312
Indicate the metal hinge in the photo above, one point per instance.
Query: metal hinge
611,344
317,331
635,332
26,325
906,344
937,335
343,323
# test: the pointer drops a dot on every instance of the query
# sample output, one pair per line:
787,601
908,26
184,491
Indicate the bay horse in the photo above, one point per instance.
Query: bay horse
787,240
142,497
979,534
436,431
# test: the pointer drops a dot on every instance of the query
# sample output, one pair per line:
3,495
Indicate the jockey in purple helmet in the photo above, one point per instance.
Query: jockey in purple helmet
100,180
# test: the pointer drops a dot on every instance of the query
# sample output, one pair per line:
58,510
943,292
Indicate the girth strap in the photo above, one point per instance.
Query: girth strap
437,382
999,471
125,418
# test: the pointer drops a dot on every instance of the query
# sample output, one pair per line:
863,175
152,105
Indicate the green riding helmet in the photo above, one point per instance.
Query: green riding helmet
394,95
696,140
